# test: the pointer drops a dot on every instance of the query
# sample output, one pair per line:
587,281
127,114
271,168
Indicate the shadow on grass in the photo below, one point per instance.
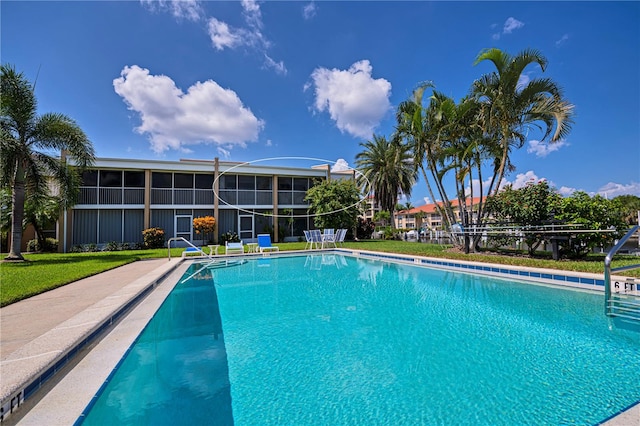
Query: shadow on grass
80,258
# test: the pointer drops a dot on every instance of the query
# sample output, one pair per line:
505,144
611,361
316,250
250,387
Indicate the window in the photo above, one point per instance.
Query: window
246,182
263,183
228,182
134,179
160,180
90,178
183,180
300,184
284,184
110,178
204,181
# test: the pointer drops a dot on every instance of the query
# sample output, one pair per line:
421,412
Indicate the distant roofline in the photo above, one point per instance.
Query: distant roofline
429,208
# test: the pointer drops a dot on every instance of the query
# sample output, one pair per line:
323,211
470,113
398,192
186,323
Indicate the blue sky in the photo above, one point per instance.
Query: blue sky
250,80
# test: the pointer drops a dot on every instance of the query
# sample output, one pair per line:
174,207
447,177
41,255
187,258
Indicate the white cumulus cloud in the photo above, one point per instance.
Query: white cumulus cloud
522,179
542,149
173,119
340,165
566,191
612,189
354,99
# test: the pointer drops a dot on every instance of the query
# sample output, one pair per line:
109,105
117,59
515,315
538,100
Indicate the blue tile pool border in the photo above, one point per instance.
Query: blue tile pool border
581,280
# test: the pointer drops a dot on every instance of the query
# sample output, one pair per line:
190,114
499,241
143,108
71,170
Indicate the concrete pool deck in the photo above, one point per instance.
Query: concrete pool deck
37,333
38,328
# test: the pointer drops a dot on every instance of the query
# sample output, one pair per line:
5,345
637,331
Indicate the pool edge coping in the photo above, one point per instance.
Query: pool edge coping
40,359
441,263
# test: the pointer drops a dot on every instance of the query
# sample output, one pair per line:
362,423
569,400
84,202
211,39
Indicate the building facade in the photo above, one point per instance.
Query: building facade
119,198
427,217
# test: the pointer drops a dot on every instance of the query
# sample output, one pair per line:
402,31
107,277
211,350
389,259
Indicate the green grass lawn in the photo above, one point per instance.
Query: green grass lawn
47,271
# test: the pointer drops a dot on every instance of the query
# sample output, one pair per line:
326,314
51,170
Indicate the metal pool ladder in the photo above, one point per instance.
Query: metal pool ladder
621,303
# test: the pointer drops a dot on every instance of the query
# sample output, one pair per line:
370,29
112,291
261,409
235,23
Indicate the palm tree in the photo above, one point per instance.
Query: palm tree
25,141
414,128
510,107
387,168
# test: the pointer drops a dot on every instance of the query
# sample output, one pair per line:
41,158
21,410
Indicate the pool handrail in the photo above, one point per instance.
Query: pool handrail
188,243
608,270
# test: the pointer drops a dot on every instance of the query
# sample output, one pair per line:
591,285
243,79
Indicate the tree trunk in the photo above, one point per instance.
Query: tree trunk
17,197
39,236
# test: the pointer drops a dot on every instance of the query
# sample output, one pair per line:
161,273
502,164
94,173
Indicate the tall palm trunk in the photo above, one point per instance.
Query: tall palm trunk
17,197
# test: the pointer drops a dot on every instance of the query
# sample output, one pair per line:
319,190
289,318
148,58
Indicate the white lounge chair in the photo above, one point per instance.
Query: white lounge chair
340,236
234,248
264,243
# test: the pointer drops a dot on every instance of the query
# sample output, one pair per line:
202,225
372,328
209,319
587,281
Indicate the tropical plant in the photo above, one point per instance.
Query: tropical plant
40,214
205,225
419,216
479,131
153,238
510,105
334,204
365,228
387,169
382,217
592,213
50,245
532,206
630,208
26,139
285,224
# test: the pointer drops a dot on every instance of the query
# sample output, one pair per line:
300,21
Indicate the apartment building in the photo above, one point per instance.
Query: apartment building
121,197
427,216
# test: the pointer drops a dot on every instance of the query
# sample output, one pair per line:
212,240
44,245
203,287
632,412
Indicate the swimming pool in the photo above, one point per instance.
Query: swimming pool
329,339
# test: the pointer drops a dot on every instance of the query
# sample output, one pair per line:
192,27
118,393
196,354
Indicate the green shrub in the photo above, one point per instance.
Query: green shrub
112,246
230,236
32,245
153,238
50,246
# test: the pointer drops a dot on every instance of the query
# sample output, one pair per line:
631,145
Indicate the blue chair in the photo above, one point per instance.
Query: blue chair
264,243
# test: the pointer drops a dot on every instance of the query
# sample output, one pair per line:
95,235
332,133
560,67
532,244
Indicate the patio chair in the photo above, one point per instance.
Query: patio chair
234,248
264,243
340,236
316,238
309,241
329,238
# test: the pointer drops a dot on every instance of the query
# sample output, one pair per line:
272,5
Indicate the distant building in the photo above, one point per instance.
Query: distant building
370,208
431,218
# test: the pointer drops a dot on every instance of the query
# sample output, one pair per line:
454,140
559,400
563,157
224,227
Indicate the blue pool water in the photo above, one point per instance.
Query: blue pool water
333,340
